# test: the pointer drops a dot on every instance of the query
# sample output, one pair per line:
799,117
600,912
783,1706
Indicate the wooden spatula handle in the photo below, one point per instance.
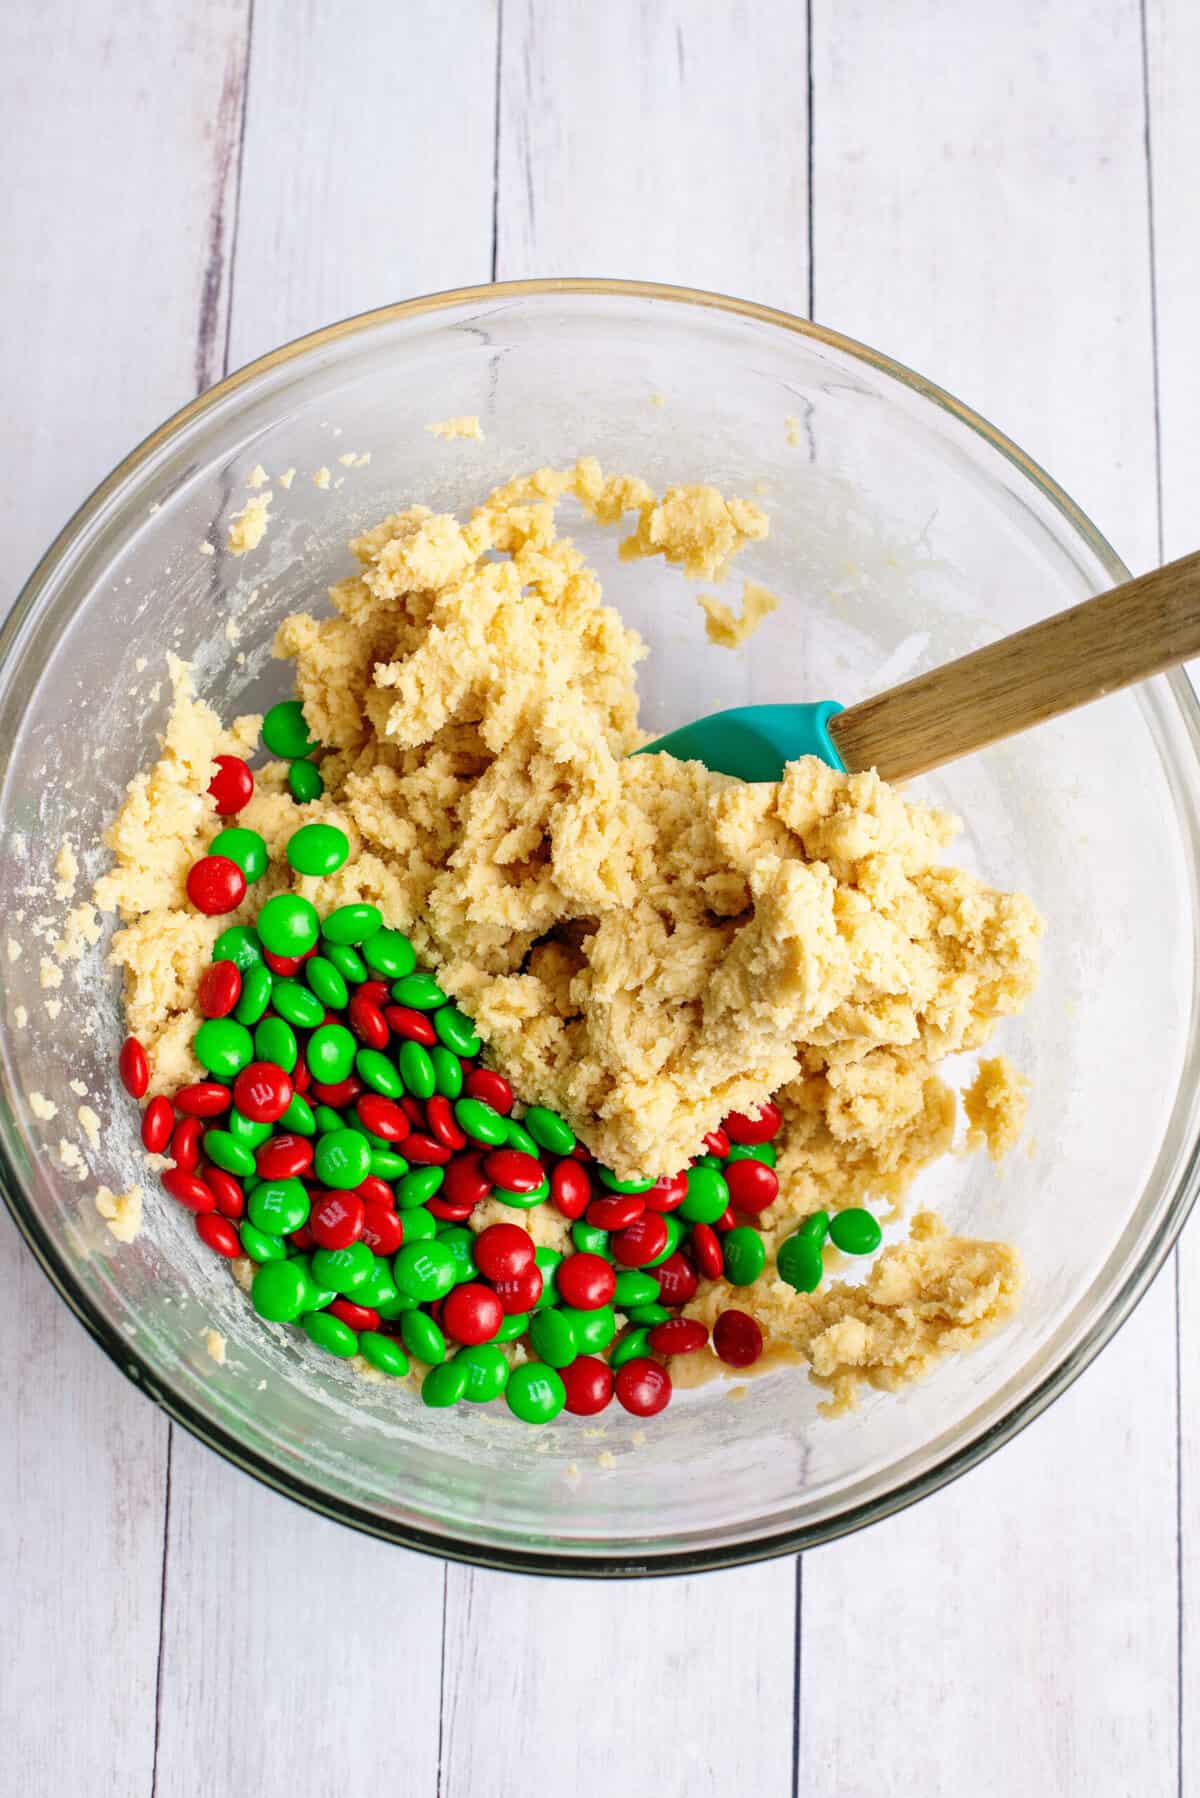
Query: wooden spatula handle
1125,635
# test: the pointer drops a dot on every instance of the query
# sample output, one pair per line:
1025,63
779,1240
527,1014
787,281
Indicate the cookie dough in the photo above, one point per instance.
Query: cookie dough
644,945
724,627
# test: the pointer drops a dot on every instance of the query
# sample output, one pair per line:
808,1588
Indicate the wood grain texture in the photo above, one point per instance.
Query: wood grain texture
1172,63
965,223
1127,634
116,126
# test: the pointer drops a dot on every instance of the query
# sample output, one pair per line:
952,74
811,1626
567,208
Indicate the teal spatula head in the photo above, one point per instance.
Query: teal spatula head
754,742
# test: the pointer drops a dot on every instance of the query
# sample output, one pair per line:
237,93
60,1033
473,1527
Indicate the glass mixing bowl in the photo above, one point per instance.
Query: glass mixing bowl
904,531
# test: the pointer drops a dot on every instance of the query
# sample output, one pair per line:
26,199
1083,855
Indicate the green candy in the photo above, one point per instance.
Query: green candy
280,1291
444,1385
275,1040
380,1289
306,782
328,1119
330,1053
348,962
635,1288
648,1315
257,984
381,1351
456,1031
288,924
632,1344
284,731
816,1226
460,1242
548,1130
227,1152
298,1117
855,1231
487,1372
317,849
343,1159
278,1207
223,1047
327,982
240,945
548,1261
425,1270
258,1245
535,1393
707,1196
389,953
517,1137
707,1161
343,1270
552,1337
416,1070
419,1225
512,1327
330,1333
524,1201
422,1338
609,1179
674,1238
394,1307
297,1005
759,1151
248,1131
245,847
745,1255
447,1071
799,1262
589,1239
351,924
387,1165
420,992
594,1330
376,1071
318,1297
481,1122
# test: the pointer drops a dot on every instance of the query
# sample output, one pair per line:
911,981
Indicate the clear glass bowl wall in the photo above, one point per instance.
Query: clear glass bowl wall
903,533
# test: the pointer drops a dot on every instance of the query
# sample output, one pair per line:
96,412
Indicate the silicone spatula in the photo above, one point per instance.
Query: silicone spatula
1127,634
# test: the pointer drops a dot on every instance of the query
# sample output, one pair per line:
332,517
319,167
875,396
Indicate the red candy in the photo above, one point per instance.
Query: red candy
382,1117
413,1026
668,1194
367,1022
158,1120
374,1191
203,1099
727,1221
218,1233
503,1251
752,1185
465,1182
215,885
286,965
522,1292
492,1088
231,1200
514,1170
185,1145
642,1241
232,786
382,1231
472,1313
376,991
301,1078
585,1281
414,1111
678,1336
748,1131
643,1387
302,1238
589,1385
425,1151
717,1143
449,1211
189,1190
337,1219
133,1067
737,1338
358,1317
439,1115
285,1157
707,1252
570,1189
262,1092
340,1093
615,1210
677,1282
219,989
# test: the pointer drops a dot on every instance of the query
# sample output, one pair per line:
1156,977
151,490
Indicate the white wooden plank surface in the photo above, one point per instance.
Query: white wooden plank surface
965,221
116,127
1173,61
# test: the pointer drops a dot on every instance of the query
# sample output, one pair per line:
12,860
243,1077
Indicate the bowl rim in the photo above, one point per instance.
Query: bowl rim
606,1564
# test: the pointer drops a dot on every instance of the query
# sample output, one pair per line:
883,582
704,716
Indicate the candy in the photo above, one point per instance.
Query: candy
678,1336
492,1088
158,1121
351,924
317,849
503,1251
245,848
218,989
343,1159
586,1282
737,1338
279,1291
752,1185
232,786
262,1091
390,952
535,1393
223,1047
707,1196
288,925
799,1262
133,1067
745,1256
472,1314
284,731
642,1387
742,1129
643,1242
855,1232
216,1232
